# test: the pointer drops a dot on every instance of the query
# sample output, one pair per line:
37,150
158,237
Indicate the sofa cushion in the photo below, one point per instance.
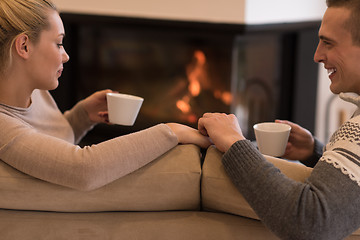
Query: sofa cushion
219,193
167,225
172,182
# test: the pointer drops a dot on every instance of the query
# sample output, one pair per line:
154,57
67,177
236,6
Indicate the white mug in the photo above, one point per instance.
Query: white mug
123,108
272,137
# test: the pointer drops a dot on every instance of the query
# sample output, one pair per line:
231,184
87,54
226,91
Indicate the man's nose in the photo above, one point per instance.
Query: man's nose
319,55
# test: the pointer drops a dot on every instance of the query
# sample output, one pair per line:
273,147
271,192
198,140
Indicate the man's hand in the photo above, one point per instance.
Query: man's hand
300,145
223,129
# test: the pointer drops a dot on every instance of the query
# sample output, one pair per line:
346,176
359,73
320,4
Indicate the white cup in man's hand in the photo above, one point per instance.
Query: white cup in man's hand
123,108
272,137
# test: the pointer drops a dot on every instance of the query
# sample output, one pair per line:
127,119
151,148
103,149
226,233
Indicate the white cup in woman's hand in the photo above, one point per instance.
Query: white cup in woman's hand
123,108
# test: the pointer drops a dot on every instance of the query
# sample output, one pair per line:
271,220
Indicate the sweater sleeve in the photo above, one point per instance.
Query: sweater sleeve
79,121
60,162
317,153
326,206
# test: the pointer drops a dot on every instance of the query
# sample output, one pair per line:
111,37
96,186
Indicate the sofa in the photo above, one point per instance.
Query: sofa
184,194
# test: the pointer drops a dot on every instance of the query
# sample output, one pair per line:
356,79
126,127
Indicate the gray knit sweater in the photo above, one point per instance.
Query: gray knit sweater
326,206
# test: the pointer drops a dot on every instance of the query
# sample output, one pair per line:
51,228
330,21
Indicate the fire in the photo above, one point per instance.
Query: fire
198,77
194,88
196,73
225,97
200,56
183,106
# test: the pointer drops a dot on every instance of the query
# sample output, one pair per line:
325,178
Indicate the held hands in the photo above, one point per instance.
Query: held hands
301,142
187,135
213,128
96,106
223,129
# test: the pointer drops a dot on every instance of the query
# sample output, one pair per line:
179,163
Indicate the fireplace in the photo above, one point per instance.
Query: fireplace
184,69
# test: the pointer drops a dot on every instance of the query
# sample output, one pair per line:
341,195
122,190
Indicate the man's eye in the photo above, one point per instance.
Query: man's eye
326,42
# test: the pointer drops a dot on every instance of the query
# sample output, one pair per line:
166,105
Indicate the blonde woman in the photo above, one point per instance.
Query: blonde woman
36,138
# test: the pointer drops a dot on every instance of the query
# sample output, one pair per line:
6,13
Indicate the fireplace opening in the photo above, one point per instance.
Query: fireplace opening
183,69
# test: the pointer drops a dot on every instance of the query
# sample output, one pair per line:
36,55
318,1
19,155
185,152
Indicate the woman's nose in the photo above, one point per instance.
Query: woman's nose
66,57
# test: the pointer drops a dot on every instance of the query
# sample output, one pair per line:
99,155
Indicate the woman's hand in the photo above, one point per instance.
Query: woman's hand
96,106
189,135
223,129
300,145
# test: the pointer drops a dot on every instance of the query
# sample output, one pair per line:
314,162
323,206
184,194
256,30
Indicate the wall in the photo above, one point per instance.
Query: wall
224,11
227,11
275,11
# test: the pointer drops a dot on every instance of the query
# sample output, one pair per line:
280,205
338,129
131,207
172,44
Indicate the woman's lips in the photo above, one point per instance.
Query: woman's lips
59,72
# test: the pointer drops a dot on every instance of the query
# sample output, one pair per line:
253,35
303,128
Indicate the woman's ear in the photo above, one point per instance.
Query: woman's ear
21,45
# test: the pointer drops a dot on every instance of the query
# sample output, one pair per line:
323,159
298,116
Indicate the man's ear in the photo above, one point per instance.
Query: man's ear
21,45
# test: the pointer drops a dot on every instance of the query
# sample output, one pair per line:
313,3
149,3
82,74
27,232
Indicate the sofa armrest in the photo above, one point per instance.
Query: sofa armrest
171,182
219,193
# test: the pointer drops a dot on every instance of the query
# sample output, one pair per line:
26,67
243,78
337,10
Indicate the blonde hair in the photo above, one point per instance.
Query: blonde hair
18,17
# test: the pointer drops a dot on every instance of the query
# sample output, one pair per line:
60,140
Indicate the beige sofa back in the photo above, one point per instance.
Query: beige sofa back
172,182
218,192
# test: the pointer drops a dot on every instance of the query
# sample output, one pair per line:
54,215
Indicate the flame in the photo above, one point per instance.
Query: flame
225,97
183,106
192,118
198,78
196,73
194,88
200,56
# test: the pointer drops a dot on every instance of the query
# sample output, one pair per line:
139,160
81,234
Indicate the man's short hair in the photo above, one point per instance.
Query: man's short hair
353,23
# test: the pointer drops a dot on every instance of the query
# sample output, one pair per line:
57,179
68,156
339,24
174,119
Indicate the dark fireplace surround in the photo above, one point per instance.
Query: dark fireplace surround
184,69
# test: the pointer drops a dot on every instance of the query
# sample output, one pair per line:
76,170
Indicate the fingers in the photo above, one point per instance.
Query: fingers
104,116
203,122
212,115
292,125
201,127
186,135
203,142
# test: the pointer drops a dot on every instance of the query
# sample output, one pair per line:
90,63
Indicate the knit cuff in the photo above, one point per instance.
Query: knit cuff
317,153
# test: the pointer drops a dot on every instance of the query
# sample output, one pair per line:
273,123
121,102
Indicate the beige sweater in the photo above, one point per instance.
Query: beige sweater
40,141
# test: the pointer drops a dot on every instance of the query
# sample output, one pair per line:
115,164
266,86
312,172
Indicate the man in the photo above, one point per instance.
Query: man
327,205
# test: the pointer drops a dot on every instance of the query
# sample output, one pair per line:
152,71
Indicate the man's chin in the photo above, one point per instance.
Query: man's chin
335,90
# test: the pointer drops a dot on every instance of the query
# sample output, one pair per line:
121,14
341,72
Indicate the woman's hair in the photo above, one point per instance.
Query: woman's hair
353,23
18,17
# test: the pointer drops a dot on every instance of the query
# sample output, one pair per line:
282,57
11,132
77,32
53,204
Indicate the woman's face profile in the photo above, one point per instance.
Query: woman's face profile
48,55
